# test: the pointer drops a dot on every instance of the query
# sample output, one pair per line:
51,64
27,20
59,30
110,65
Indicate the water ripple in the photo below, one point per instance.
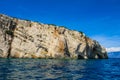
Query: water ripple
51,69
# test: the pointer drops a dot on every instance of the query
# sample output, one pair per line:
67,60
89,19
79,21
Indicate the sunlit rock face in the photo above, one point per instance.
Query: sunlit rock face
27,39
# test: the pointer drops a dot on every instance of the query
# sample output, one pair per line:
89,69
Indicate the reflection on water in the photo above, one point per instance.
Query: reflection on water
30,69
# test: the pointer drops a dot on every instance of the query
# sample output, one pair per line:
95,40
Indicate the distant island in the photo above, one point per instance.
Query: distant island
28,39
114,54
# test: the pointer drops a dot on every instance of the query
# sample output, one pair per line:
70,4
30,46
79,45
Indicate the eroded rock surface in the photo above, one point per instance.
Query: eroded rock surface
27,39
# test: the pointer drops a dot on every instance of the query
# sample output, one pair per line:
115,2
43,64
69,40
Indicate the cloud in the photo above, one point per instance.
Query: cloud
108,41
113,49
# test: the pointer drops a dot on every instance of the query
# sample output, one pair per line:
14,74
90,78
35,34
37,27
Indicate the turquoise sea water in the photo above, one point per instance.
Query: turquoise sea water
52,69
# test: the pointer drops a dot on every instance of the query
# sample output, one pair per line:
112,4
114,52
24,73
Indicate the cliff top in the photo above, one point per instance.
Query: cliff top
30,21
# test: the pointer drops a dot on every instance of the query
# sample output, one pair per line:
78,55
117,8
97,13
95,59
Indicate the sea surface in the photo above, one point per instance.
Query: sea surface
59,69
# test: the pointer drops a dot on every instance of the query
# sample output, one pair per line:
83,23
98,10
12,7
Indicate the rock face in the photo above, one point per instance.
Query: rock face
27,39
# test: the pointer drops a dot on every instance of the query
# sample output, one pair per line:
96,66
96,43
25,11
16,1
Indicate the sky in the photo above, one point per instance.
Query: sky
98,19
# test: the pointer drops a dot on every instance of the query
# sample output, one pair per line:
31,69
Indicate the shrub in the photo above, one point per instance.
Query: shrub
52,24
9,32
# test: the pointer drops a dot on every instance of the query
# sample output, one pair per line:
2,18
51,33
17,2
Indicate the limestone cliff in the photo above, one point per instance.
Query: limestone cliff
27,39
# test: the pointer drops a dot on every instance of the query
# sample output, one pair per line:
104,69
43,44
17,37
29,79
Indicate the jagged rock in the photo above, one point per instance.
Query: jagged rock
27,39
